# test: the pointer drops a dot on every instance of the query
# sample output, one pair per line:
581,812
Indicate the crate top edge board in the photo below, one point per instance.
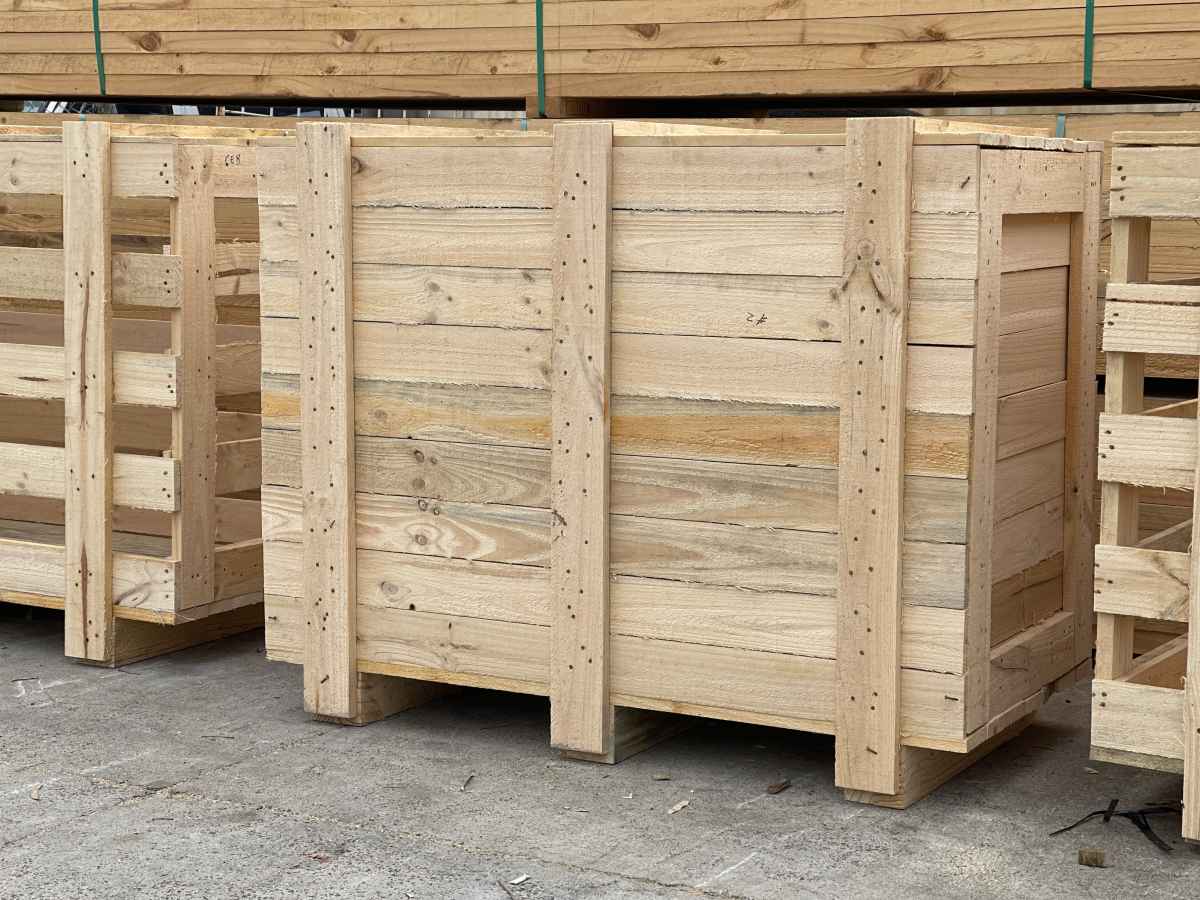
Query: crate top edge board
634,133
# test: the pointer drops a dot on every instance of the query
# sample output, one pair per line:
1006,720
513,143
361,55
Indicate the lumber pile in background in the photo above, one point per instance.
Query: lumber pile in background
485,49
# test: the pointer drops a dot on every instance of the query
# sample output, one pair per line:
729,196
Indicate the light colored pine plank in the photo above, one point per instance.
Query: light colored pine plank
327,420
1079,509
193,338
88,389
581,712
1152,451
142,482
874,293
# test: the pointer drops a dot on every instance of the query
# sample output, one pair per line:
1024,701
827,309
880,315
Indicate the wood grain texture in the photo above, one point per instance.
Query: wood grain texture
194,339
88,390
580,708
327,421
878,178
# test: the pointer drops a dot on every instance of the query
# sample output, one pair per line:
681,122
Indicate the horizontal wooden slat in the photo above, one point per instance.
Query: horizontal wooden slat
138,169
1033,299
141,482
796,688
1035,242
693,490
1152,584
734,432
1031,419
778,622
479,177
39,568
941,311
1022,541
1040,182
139,279
730,369
1027,479
1031,359
1151,451
1158,182
1026,662
1152,328
1137,718
755,558
140,379
239,466
506,238
238,367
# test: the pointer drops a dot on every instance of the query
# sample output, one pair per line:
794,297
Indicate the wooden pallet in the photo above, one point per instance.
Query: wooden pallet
1146,705
560,414
648,49
129,403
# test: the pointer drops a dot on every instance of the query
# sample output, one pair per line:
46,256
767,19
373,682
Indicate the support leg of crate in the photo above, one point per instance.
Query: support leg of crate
924,771
135,641
380,696
634,730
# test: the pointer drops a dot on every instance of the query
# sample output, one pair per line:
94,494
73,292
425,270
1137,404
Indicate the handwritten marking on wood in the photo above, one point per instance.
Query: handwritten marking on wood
874,294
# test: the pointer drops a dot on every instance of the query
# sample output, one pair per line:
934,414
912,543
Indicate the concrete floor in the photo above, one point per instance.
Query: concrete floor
199,775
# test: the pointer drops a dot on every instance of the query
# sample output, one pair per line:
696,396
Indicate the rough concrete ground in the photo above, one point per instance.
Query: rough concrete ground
199,775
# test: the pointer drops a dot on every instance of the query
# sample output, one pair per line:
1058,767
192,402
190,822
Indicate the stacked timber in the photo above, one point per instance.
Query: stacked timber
563,414
129,397
483,50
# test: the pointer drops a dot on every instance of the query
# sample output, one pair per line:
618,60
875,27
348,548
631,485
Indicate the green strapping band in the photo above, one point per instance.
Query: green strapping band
99,52
541,61
1089,41
1060,126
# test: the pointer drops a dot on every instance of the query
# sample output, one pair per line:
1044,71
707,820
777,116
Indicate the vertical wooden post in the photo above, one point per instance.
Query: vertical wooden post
1191,690
995,177
874,293
88,385
581,714
1079,514
327,419
194,341
1123,393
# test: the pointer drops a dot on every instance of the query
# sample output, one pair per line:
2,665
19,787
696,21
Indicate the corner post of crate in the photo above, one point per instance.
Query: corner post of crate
327,420
874,296
1079,537
88,390
1123,393
194,342
581,719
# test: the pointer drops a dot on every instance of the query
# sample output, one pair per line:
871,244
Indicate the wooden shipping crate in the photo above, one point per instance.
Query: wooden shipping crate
1146,701
129,387
785,429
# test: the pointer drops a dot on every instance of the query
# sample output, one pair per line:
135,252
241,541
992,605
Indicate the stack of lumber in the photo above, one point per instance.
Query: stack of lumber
485,49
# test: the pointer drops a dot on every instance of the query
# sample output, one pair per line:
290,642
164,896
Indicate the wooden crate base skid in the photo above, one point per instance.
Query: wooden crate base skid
788,429
924,771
